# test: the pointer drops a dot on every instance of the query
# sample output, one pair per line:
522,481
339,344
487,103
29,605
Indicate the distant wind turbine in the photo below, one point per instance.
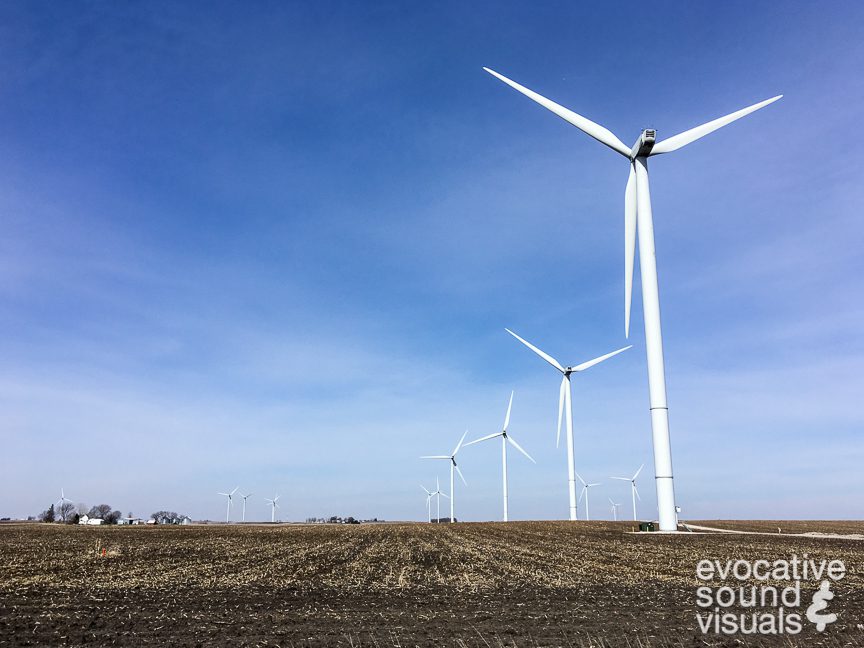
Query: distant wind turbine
230,497
584,493
637,214
452,459
505,439
245,497
614,509
565,406
438,493
429,496
273,507
634,493
60,503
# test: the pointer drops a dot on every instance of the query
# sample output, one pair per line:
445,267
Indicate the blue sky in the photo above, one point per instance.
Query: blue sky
276,246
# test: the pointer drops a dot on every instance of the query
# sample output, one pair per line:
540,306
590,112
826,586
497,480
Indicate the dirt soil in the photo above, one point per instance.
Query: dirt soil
522,584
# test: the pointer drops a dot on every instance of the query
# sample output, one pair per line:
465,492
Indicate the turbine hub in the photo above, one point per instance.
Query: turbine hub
644,144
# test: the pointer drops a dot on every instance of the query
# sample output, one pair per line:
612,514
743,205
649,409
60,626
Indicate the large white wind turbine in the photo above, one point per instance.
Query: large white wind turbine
614,509
273,507
245,497
505,439
230,497
634,492
584,493
637,214
565,406
452,459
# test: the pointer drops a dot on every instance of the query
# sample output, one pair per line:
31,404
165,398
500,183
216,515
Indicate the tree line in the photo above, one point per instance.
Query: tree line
69,513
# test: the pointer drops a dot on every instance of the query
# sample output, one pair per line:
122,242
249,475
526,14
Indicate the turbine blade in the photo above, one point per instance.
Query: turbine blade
459,445
638,471
445,495
594,484
542,354
629,245
425,491
591,363
509,407
234,491
636,490
520,448
461,476
580,479
225,494
485,438
587,126
435,457
561,398
582,494
622,478
682,139
611,502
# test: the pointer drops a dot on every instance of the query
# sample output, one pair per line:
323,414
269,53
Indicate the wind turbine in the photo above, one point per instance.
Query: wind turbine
60,503
505,439
245,497
429,497
273,507
584,493
452,459
565,406
614,509
637,201
230,497
634,493
438,493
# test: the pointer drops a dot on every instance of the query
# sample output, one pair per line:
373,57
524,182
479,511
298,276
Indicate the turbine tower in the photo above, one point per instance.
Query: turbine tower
273,507
565,406
634,493
584,493
614,510
637,215
245,497
452,459
230,497
505,439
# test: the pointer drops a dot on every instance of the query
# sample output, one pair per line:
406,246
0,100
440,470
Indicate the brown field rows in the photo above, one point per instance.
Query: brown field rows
523,584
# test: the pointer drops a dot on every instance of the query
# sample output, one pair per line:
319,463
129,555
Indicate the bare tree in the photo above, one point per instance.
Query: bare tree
66,511
102,511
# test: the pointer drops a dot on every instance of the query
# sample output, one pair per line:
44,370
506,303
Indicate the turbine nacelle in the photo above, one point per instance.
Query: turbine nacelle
644,145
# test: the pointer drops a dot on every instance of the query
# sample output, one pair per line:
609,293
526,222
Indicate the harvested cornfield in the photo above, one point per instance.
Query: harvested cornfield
522,584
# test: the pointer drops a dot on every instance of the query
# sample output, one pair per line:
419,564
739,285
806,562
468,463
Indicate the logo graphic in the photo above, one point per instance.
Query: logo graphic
820,599
764,597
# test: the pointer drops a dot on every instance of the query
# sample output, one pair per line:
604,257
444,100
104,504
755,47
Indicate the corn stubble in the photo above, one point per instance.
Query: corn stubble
516,584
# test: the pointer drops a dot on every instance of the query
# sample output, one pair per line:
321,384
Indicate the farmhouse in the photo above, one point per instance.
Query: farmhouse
86,519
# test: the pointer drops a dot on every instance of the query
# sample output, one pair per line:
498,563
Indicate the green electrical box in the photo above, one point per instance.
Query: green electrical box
646,526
